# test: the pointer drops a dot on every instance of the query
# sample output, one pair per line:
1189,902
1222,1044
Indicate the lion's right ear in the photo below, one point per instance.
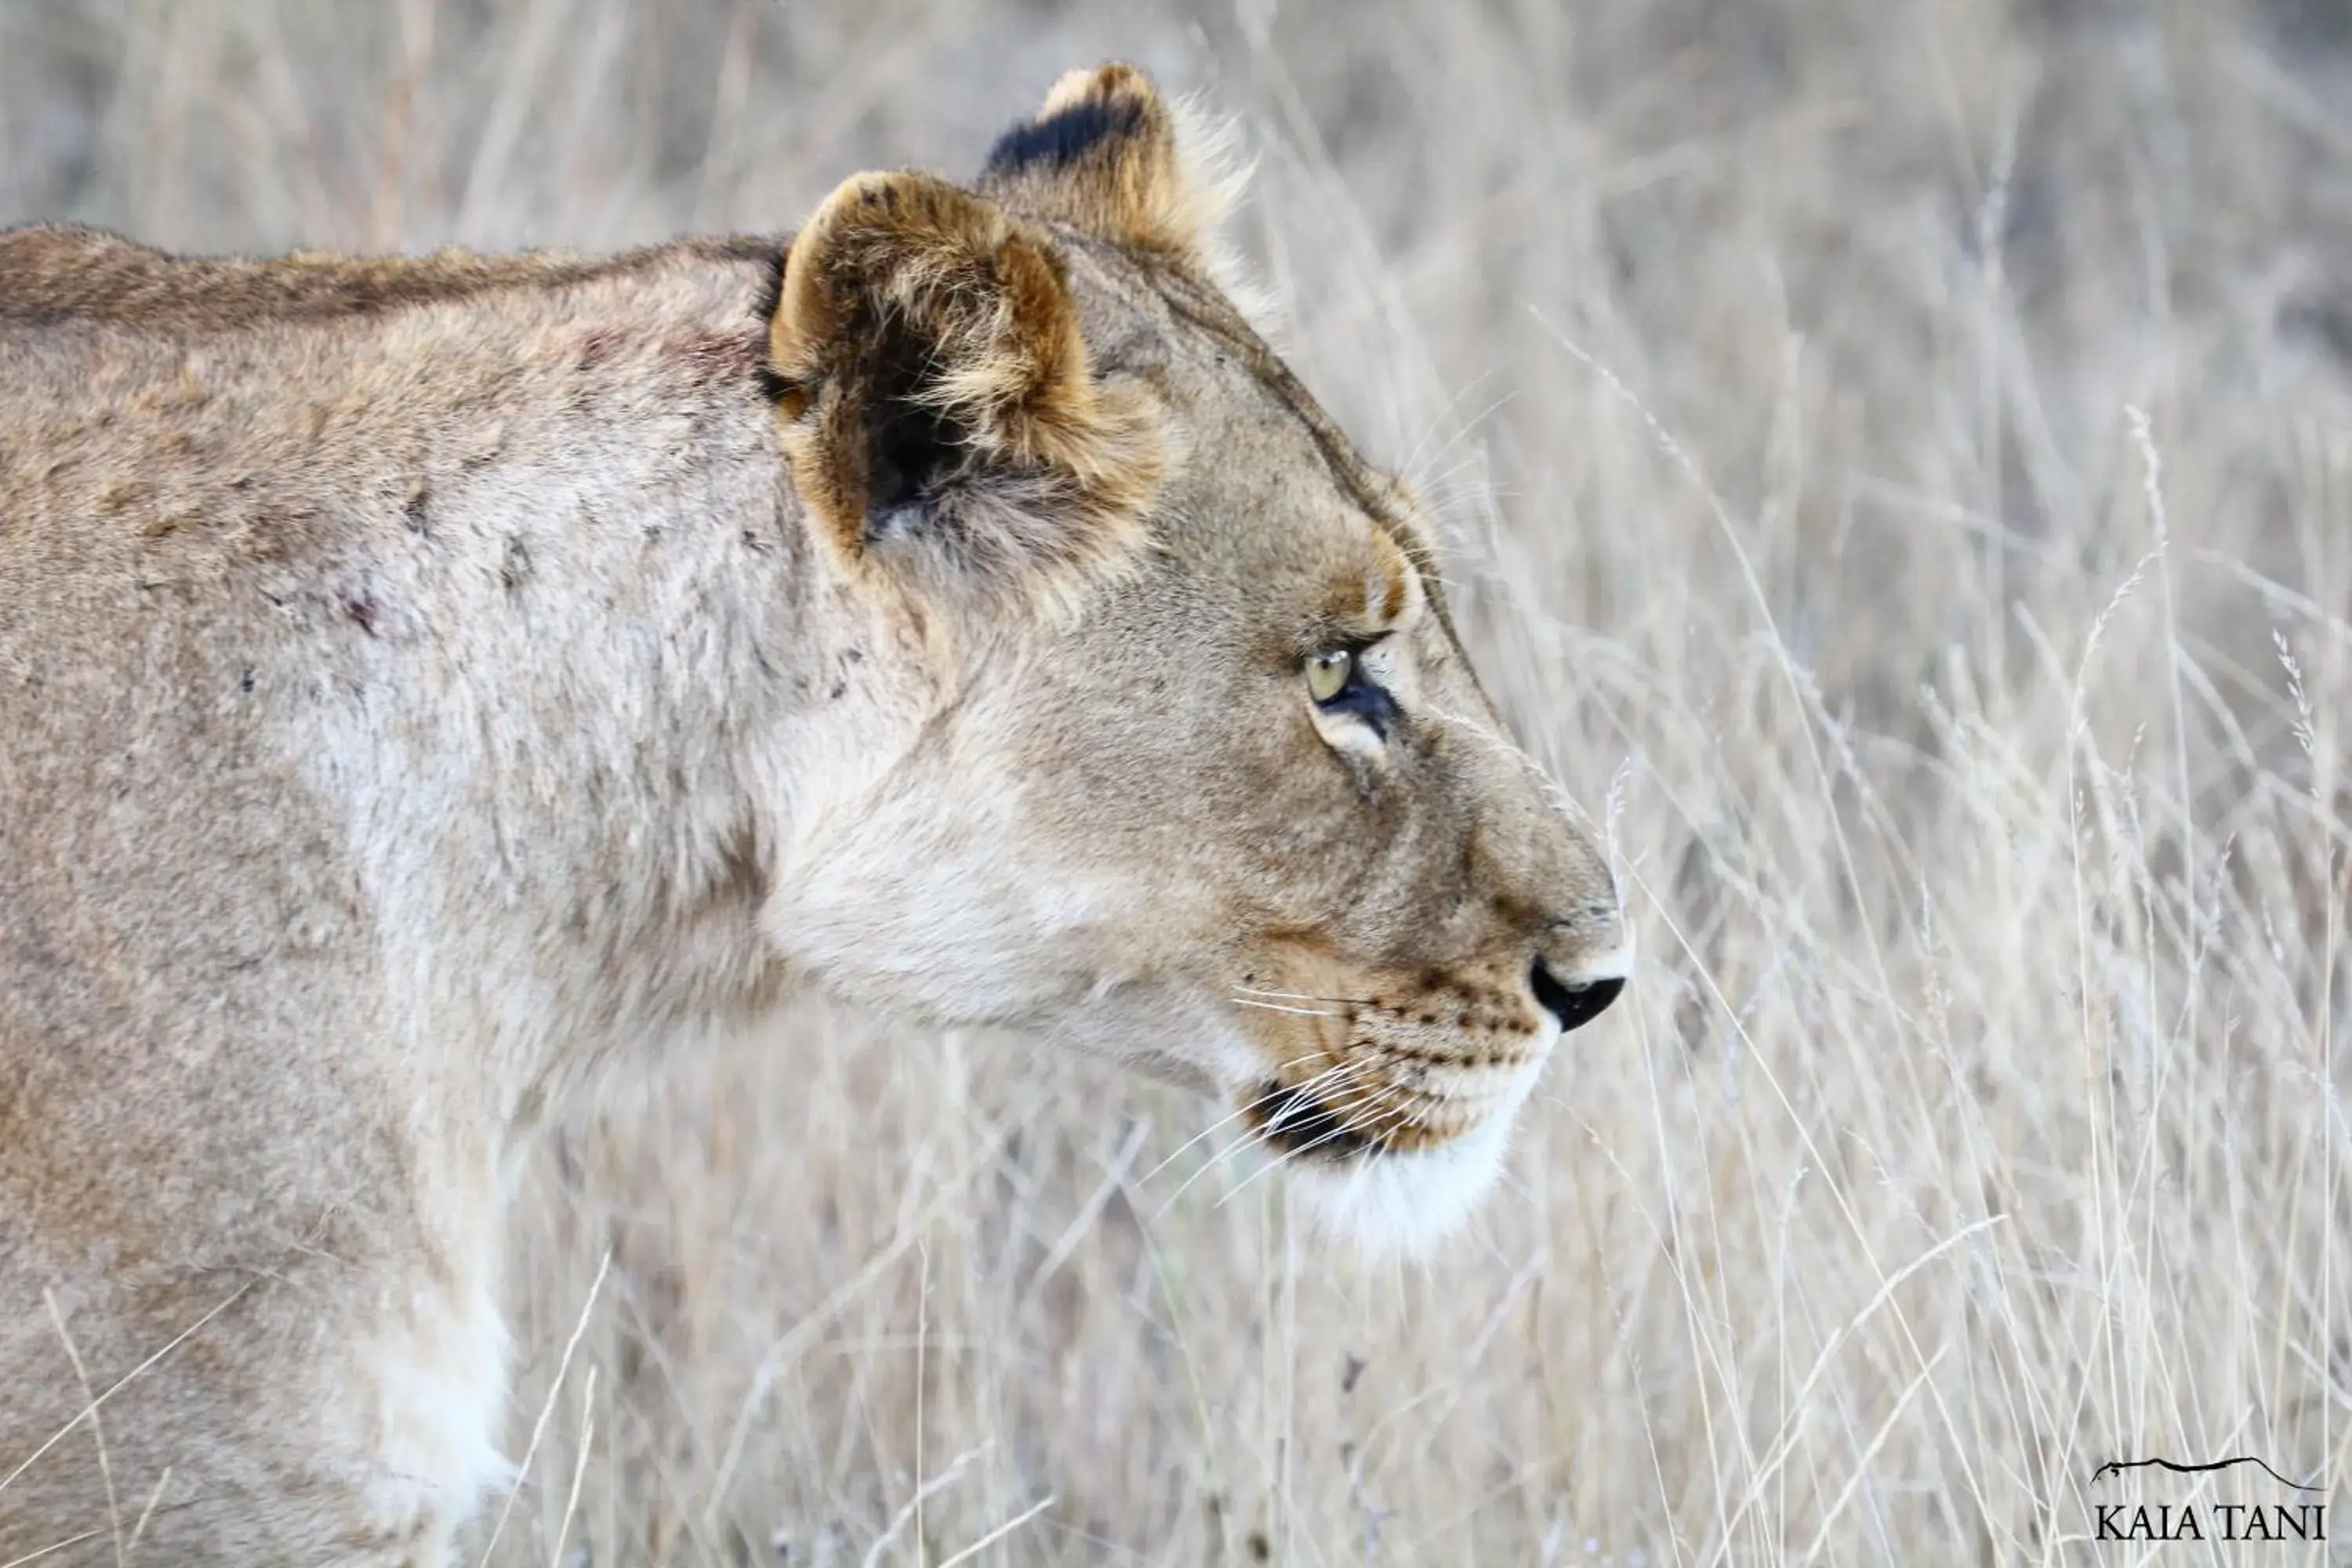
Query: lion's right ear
941,417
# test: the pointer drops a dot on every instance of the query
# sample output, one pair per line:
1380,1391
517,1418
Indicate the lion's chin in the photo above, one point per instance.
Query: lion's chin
1401,1178
1391,1202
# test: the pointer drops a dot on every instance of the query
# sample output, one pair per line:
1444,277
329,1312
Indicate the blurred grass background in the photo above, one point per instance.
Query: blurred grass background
1896,461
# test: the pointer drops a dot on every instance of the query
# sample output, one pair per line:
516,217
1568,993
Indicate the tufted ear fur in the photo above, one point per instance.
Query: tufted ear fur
1106,155
941,418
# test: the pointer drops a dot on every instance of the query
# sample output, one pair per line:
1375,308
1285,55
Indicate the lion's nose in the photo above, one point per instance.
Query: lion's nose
1574,1003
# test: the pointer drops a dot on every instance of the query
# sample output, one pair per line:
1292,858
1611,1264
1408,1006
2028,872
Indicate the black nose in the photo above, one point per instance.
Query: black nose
1573,1005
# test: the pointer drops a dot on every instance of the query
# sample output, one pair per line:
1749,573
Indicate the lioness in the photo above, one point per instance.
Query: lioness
427,683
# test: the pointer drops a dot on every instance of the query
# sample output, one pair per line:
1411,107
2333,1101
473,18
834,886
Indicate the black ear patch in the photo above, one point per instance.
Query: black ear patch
911,447
1063,137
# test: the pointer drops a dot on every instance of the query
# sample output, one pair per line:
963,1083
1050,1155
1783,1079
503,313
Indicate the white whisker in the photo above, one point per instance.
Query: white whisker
1255,1137
1280,1007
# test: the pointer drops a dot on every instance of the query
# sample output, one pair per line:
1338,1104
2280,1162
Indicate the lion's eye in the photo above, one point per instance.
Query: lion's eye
1326,674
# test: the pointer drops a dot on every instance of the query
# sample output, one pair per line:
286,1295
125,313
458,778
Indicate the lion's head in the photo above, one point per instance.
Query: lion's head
1177,755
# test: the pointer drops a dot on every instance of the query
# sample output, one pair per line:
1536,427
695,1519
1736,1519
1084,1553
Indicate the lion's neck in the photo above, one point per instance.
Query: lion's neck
595,617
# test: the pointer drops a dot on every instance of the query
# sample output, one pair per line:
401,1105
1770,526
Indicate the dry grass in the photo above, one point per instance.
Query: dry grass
1898,459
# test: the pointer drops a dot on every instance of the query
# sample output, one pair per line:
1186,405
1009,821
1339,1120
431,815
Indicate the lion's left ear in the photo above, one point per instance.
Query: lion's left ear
944,423
1105,154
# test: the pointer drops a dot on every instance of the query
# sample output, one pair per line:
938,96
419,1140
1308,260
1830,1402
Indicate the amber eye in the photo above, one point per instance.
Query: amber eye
1326,674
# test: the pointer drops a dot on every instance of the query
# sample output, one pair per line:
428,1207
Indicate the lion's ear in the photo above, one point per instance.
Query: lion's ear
941,414
1103,155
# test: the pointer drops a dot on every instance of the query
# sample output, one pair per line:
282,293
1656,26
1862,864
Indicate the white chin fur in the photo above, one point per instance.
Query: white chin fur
1403,1205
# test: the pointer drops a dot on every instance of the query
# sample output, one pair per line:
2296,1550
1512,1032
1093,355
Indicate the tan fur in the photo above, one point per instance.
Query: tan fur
427,683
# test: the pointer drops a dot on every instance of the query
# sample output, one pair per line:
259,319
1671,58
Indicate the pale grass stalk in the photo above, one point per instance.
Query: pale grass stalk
97,1426
999,1532
148,1512
911,1511
1778,1454
922,1332
1114,1178
90,1411
1862,1464
785,1350
579,1467
547,1406
52,1550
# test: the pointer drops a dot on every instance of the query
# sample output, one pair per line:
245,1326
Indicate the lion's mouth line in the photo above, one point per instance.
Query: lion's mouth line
1319,1120
1294,1121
